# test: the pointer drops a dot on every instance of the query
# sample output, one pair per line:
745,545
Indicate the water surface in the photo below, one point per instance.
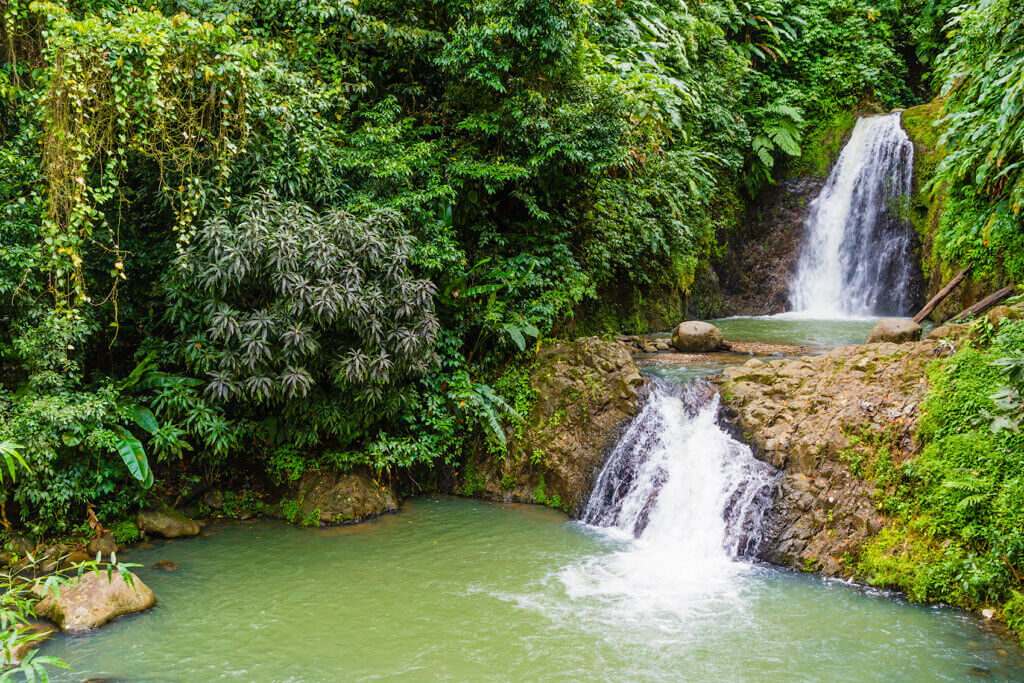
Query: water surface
459,589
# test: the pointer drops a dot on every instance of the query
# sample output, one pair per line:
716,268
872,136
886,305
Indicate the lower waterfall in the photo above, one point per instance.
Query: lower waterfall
687,500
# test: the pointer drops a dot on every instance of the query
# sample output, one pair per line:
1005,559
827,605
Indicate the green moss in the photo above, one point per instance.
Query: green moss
473,481
958,508
821,145
290,509
126,533
555,501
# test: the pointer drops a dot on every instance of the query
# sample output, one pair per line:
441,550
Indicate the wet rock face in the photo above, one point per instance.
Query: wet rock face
811,418
587,390
756,269
94,600
342,498
695,336
896,330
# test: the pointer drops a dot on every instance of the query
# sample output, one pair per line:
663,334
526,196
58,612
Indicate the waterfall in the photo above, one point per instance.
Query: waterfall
686,500
858,253
677,478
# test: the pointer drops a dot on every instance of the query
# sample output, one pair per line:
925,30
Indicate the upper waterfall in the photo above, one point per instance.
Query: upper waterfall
857,257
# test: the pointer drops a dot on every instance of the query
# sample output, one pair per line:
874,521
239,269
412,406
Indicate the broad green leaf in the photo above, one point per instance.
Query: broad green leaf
144,418
134,456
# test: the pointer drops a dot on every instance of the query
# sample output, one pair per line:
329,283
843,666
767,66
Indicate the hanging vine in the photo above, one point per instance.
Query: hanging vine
127,85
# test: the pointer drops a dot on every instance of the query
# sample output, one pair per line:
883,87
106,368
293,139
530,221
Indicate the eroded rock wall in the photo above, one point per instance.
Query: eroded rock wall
810,418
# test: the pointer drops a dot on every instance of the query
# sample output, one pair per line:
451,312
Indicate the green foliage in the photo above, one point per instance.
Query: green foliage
555,501
473,481
9,455
982,75
959,535
240,241
126,533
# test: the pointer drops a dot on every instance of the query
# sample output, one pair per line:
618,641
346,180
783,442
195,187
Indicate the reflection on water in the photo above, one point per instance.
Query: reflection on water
791,328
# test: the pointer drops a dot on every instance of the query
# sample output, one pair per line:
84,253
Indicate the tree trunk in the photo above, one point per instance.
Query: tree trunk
986,303
943,293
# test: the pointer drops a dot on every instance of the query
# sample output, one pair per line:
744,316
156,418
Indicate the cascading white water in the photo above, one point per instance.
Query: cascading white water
857,257
688,499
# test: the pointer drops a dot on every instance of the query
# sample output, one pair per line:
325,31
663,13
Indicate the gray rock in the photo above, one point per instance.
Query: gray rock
342,498
896,330
94,600
952,331
695,336
586,390
22,545
167,523
104,544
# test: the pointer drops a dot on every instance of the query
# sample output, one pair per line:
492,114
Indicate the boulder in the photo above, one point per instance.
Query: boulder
342,498
951,331
167,566
104,545
167,523
584,392
93,600
21,545
695,336
214,500
896,330
77,557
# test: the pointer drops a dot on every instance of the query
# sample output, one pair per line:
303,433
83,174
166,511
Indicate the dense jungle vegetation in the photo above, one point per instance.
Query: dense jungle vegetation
240,240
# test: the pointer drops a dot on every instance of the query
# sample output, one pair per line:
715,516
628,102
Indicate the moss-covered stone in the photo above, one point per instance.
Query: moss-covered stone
927,208
585,391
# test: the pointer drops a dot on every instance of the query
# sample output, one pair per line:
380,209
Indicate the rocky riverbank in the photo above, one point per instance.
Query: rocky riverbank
812,418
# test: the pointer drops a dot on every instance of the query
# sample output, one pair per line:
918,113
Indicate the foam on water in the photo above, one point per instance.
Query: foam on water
687,502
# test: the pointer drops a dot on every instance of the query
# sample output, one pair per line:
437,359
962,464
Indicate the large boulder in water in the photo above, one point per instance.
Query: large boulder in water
93,600
896,330
342,498
575,397
167,523
695,336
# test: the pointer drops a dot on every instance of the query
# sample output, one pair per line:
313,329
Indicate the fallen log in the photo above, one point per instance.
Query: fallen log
943,293
986,303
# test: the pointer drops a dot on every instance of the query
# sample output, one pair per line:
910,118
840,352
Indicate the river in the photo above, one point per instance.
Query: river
458,589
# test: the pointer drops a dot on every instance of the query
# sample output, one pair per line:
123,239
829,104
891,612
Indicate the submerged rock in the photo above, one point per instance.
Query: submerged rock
94,600
695,336
167,523
896,330
167,566
12,656
342,498
585,391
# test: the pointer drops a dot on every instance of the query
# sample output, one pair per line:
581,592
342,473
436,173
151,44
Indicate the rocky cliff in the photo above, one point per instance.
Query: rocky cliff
825,422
